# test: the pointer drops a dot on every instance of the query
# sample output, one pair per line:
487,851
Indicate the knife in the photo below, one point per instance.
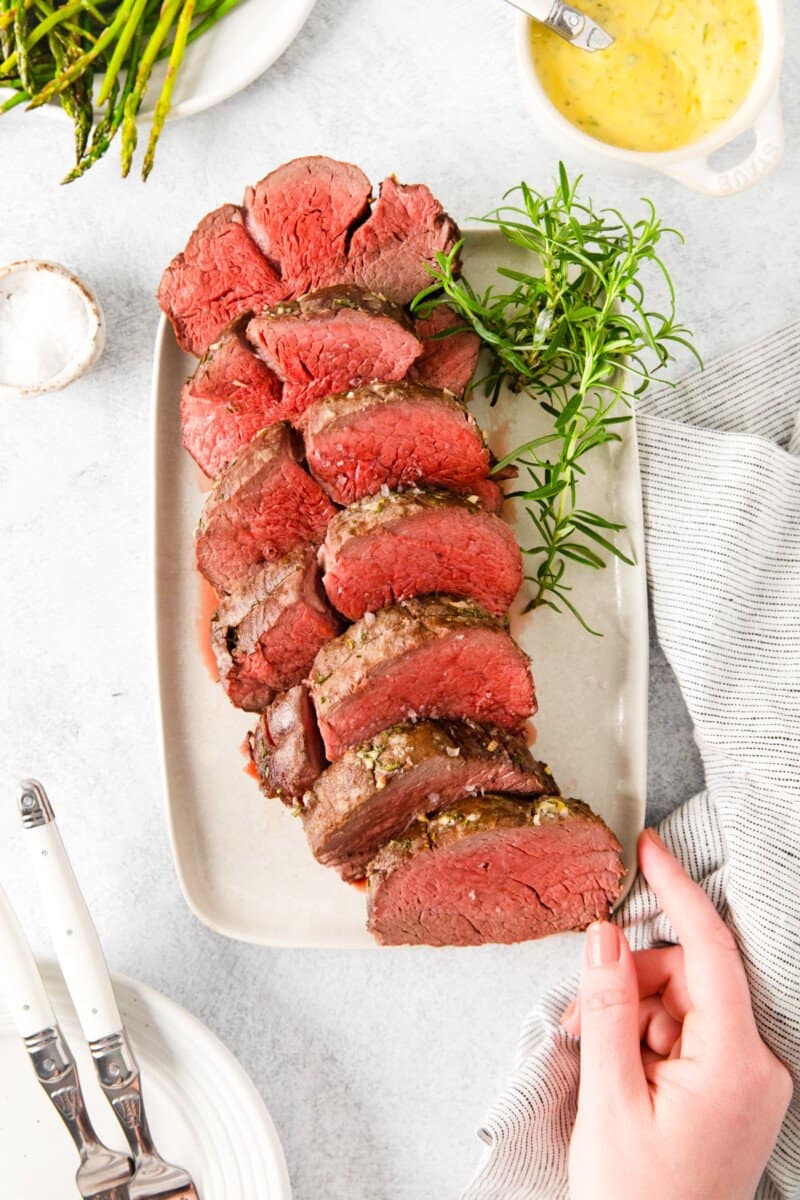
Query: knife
102,1174
568,22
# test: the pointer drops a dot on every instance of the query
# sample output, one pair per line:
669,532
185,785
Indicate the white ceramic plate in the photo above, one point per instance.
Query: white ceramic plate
228,58
243,863
204,1111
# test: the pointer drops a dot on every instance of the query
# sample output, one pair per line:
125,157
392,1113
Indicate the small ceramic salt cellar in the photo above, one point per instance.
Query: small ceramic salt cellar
51,328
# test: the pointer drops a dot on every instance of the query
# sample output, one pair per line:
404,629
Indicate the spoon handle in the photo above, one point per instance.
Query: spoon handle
568,22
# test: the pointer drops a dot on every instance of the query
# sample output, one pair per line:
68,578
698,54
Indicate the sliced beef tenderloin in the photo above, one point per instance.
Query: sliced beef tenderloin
489,495
389,252
306,226
332,340
231,396
424,658
446,361
286,748
264,506
375,792
394,435
219,275
388,548
494,869
301,216
324,342
266,634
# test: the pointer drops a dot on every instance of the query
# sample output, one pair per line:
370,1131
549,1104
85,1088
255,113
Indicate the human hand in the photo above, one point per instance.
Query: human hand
679,1097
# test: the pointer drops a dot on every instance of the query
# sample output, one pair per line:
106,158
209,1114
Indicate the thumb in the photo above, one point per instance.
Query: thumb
611,1060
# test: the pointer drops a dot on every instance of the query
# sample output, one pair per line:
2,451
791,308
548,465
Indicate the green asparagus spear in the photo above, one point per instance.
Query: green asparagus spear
20,35
134,100
65,79
165,99
55,17
107,128
52,50
215,11
12,102
120,50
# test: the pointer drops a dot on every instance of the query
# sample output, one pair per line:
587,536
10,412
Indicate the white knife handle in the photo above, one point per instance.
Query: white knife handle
19,976
77,945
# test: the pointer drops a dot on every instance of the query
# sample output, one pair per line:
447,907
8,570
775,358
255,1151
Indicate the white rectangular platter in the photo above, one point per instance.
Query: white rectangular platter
242,861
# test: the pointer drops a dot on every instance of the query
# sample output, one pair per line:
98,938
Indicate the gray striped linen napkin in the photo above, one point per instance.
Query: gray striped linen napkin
720,461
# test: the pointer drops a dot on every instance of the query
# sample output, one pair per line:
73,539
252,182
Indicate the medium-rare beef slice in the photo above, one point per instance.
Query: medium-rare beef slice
394,435
286,748
375,792
219,275
332,340
231,396
407,229
388,548
301,216
324,342
424,658
264,506
494,869
306,226
266,634
446,361
312,220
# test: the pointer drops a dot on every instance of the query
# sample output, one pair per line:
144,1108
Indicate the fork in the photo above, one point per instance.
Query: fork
86,973
102,1174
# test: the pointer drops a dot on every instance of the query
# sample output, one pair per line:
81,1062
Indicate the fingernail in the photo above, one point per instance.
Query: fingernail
602,944
650,835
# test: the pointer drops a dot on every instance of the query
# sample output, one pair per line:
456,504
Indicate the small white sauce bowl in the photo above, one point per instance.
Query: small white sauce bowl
85,353
760,112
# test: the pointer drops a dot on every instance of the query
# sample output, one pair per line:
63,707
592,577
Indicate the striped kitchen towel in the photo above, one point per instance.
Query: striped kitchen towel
720,460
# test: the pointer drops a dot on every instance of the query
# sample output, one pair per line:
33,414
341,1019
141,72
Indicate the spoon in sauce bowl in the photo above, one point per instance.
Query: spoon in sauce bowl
568,22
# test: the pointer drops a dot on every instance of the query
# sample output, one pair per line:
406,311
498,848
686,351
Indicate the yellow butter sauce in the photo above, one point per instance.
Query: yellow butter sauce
677,70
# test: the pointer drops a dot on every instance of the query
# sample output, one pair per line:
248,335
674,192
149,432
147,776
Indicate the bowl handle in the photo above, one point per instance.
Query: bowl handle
764,156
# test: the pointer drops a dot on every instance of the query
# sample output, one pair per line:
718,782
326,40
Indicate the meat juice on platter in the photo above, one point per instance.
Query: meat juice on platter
351,484
208,606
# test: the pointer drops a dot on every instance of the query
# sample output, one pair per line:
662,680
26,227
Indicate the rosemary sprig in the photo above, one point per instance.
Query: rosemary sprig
578,334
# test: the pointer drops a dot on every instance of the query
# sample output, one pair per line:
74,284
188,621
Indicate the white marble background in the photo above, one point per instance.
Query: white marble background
376,1067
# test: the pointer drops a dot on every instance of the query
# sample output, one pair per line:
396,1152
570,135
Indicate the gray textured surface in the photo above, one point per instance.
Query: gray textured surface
376,1068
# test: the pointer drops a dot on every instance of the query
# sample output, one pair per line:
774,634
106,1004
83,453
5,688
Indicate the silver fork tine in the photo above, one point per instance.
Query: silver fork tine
118,1074
86,973
102,1174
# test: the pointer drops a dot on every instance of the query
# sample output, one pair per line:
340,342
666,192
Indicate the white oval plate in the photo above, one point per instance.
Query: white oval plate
204,1111
227,59
243,862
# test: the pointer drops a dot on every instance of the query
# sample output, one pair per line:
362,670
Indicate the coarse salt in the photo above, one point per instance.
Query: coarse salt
45,326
